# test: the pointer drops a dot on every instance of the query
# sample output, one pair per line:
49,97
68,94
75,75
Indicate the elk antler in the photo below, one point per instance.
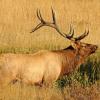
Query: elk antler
51,24
82,36
55,26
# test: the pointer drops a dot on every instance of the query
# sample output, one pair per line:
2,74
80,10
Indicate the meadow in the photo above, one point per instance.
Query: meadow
18,17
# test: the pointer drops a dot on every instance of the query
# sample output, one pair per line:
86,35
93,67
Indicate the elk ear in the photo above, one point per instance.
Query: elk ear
75,44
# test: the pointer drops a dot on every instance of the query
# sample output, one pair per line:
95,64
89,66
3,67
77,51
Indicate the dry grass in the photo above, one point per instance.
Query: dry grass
18,17
74,92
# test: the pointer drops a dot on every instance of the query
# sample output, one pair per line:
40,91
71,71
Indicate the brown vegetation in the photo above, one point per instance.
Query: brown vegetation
74,92
18,17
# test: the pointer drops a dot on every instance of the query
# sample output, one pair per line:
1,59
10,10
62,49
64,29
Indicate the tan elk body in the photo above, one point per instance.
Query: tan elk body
34,68
45,66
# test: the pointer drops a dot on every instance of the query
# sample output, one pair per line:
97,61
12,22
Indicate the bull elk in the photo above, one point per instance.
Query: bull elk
46,66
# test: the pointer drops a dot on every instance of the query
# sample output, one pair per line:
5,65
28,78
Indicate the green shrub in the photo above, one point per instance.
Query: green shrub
86,75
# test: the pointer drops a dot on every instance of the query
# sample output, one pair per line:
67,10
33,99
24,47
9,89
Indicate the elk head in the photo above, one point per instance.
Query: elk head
83,49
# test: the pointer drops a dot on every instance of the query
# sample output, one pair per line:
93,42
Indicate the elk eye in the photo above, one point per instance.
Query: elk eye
83,46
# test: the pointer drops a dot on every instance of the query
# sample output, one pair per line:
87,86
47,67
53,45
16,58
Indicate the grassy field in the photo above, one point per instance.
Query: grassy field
18,17
73,92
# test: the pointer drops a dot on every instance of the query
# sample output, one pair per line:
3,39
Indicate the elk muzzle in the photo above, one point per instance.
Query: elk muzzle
94,48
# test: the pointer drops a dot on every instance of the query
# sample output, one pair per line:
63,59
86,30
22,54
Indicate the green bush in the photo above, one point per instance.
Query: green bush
86,75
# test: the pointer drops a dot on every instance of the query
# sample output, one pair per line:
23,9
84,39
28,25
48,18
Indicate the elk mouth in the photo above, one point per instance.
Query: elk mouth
94,49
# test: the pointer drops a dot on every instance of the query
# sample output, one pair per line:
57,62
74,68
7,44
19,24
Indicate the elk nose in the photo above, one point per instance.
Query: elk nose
96,47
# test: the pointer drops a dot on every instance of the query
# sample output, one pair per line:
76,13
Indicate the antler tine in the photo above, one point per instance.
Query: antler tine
42,23
53,16
40,17
71,31
37,27
82,36
70,34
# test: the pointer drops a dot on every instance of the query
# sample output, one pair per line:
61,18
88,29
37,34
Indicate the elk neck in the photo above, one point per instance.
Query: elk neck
72,61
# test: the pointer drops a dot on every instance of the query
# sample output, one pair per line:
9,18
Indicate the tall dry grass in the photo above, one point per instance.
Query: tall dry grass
18,17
